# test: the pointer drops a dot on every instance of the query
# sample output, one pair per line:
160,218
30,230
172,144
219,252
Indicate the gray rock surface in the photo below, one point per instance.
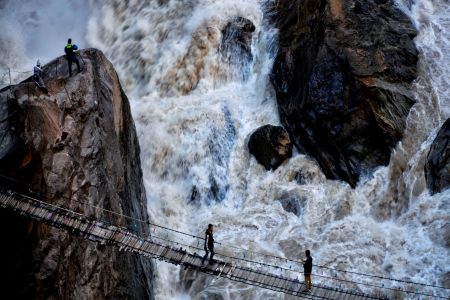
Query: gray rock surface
236,44
437,167
342,76
270,145
77,146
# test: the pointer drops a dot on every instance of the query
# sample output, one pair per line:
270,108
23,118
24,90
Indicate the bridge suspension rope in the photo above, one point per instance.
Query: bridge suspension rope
262,254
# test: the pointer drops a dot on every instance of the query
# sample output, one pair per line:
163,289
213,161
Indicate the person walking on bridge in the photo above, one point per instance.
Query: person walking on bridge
209,244
71,55
307,267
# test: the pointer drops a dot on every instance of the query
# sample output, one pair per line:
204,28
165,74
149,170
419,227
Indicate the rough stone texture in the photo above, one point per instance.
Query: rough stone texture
78,144
437,167
341,77
270,145
236,44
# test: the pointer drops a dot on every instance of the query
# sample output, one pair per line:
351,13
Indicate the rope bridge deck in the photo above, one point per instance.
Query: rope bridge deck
100,232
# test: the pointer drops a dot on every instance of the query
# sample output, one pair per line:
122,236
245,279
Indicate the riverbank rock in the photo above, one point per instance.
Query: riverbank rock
341,77
270,145
77,146
437,167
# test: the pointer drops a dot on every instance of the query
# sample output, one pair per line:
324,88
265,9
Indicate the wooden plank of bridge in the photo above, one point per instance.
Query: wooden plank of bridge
349,295
352,296
266,279
323,292
252,277
279,283
327,293
288,285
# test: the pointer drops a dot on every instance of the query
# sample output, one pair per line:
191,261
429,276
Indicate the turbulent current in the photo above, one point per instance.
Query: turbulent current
194,112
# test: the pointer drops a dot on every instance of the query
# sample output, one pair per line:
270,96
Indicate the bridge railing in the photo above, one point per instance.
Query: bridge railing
367,283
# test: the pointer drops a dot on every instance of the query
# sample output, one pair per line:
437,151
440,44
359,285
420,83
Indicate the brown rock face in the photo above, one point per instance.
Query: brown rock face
437,167
79,144
342,76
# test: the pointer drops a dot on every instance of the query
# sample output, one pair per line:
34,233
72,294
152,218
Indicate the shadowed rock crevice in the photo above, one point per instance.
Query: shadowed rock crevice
342,78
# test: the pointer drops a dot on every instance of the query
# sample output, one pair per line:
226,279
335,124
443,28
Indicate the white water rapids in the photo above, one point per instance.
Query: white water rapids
194,114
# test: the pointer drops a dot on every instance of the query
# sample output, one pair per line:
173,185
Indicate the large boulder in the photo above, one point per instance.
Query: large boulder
341,77
270,145
437,167
77,146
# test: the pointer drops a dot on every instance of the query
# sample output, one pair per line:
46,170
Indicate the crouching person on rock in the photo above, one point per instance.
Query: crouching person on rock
37,77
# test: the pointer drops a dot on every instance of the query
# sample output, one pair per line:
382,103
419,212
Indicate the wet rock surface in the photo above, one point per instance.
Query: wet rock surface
75,147
236,43
437,167
270,145
341,76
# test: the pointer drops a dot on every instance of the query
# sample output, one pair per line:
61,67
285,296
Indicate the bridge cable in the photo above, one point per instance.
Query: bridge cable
241,249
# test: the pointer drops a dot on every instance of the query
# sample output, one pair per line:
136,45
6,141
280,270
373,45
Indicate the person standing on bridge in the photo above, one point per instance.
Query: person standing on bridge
209,244
71,55
307,267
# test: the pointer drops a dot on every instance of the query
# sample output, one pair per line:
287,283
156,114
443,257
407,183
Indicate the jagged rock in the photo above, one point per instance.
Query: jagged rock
437,167
270,145
78,144
293,205
342,76
236,43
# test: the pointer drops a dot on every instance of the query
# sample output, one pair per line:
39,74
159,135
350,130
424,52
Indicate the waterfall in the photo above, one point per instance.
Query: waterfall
194,111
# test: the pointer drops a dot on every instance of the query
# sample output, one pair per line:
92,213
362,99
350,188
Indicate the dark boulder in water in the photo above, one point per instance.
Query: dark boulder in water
342,76
270,145
437,167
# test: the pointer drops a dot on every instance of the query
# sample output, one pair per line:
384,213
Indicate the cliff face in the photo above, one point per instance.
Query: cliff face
342,76
437,167
78,144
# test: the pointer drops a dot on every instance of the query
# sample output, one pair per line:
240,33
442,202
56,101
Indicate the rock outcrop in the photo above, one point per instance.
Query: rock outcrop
236,44
342,76
270,145
437,167
75,147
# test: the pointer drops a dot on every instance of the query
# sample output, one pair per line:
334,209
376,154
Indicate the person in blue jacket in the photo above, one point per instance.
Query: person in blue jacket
71,55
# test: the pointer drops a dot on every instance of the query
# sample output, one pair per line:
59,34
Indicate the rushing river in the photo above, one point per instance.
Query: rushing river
194,112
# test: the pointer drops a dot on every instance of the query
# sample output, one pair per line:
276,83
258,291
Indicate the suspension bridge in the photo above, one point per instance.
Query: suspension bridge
228,267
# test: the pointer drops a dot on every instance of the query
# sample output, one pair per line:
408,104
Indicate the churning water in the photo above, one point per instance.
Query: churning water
194,112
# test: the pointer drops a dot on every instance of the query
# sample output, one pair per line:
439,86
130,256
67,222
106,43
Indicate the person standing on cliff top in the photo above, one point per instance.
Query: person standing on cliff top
307,267
209,244
70,55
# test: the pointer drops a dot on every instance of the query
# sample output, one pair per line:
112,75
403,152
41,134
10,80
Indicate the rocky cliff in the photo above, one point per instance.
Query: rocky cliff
342,76
76,146
437,167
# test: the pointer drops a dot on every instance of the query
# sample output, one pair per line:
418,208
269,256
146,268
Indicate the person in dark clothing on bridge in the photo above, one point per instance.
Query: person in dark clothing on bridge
71,55
307,267
209,244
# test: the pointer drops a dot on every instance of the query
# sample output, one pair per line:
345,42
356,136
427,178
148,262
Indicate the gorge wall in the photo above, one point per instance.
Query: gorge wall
77,146
341,77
